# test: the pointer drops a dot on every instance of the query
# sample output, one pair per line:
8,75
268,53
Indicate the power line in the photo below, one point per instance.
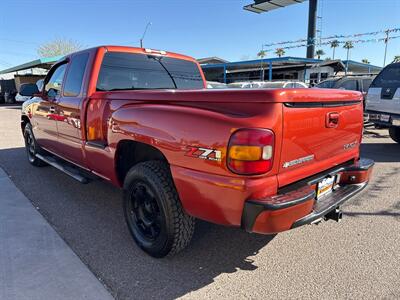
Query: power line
336,36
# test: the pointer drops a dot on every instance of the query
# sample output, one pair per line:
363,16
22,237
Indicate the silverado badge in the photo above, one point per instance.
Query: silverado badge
298,161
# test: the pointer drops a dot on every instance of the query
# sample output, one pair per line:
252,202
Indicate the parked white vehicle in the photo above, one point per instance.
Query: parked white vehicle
216,85
383,100
268,85
20,98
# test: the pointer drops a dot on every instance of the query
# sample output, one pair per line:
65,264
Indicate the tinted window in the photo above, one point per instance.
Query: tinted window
129,71
348,85
55,81
327,84
389,77
73,82
366,83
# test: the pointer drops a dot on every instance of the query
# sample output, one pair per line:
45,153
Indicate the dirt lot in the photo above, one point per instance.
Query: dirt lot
356,258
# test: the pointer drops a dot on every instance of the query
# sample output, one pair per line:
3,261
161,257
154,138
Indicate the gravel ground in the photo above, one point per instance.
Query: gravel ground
357,258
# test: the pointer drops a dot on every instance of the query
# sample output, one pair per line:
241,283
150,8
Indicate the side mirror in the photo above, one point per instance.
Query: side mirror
52,93
28,89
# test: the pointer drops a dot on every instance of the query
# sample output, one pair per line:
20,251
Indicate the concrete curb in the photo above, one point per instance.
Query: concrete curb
35,263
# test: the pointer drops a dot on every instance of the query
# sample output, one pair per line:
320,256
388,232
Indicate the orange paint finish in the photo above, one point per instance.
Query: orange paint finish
269,222
216,198
354,177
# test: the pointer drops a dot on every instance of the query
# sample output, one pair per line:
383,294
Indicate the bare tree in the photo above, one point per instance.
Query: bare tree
58,47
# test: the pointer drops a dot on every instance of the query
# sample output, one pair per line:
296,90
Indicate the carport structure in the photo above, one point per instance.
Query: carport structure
258,69
41,63
282,68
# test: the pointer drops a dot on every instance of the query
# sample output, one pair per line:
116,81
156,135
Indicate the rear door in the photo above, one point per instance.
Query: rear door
318,136
384,92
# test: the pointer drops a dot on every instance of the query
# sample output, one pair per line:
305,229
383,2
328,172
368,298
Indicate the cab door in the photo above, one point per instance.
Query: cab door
69,108
44,112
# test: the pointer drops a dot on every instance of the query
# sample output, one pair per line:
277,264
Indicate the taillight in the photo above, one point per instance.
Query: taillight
250,151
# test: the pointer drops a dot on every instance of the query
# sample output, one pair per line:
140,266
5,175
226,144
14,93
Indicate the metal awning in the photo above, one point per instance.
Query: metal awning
261,6
44,63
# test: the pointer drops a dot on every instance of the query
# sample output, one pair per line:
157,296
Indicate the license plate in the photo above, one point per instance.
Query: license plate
373,117
396,122
325,186
385,118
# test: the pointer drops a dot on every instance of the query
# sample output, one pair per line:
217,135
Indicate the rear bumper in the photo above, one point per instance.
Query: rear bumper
299,207
382,118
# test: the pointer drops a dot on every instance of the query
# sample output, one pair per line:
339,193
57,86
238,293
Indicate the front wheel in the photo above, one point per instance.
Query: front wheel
31,146
394,133
153,211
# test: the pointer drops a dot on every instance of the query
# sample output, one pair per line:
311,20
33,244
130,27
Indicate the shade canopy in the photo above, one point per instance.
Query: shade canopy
261,6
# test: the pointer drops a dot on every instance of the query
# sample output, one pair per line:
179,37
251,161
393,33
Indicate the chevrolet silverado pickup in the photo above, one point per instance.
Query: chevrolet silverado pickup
265,160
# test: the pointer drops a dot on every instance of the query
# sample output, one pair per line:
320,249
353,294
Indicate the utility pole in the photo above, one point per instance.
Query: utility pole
144,33
386,45
312,24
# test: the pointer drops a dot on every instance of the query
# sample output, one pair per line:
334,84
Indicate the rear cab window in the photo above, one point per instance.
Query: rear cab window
348,84
133,71
327,84
365,84
389,77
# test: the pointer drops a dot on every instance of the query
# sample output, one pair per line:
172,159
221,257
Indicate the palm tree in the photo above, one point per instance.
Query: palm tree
348,45
261,55
280,52
334,44
396,59
319,53
365,61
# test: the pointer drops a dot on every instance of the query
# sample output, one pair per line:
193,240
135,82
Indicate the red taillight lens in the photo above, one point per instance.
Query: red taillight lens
250,151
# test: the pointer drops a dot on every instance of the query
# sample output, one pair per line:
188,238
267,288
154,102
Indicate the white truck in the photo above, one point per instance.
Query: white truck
383,100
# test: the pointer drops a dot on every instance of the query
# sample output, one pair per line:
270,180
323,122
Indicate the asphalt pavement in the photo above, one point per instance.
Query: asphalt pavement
356,258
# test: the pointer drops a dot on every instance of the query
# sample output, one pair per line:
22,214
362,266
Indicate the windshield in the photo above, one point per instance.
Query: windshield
130,71
389,77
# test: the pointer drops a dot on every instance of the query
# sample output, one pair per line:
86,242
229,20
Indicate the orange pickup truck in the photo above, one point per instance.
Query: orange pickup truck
266,160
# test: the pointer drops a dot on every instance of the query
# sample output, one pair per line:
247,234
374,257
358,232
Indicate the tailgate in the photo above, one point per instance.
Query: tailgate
318,136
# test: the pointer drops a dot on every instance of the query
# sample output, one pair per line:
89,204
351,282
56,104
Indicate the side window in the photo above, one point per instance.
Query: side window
53,86
76,71
349,85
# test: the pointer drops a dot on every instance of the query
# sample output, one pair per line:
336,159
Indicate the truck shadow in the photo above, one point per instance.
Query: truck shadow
381,152
90,219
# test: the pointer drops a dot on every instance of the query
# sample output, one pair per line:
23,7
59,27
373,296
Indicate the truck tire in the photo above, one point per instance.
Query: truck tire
153,211
32,147
394,133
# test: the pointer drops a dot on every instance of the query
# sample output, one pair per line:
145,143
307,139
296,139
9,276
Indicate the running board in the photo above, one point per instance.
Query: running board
63,167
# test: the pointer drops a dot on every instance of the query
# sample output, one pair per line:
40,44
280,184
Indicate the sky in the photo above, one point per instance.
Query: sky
199,28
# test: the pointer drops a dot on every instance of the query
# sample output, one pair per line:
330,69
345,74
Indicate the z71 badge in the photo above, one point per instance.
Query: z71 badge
204,153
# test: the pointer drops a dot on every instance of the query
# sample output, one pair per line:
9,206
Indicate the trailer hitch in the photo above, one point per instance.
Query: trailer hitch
335,215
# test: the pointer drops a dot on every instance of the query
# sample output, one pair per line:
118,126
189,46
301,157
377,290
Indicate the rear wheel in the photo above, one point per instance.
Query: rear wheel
31,146
394,133
153,211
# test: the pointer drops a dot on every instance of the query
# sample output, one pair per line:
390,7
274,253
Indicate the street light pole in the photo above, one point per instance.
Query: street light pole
144,33
386,44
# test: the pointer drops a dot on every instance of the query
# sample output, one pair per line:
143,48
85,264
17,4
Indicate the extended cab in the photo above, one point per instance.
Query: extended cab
266,160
